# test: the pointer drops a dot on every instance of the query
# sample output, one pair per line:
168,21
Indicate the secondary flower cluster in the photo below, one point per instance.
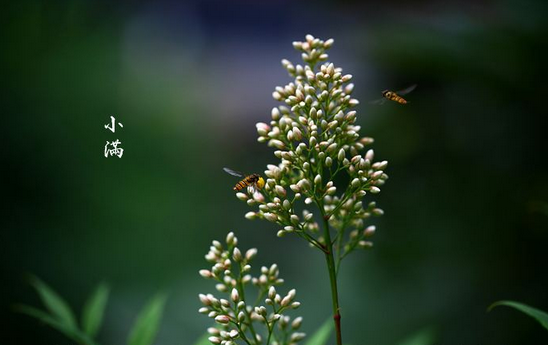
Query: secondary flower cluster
236,318
317,141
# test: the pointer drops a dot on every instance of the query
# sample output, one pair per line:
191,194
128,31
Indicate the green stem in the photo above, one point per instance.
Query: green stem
332,275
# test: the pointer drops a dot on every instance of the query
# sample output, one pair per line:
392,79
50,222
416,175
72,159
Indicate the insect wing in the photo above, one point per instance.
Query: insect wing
406,90
233,173
379,101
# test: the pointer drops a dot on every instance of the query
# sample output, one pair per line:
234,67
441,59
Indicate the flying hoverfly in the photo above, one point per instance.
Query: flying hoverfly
394,96
254,180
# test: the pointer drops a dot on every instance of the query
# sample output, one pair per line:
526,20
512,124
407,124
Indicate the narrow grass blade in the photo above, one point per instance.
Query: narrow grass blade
539,315
92,314
57,306
49,320
147,322
321,336
425,336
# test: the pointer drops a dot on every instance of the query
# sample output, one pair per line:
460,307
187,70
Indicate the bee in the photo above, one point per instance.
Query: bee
254,180
394,96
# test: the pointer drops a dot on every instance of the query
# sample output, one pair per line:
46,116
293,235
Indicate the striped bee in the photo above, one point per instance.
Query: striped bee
394,96
254,180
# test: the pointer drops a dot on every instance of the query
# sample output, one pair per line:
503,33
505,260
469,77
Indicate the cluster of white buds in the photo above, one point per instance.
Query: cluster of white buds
236,318
323,159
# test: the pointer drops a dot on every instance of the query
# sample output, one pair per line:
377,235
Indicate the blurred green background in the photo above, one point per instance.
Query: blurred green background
463,224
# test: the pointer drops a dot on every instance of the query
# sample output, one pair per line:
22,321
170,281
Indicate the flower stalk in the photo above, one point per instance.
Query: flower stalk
322,164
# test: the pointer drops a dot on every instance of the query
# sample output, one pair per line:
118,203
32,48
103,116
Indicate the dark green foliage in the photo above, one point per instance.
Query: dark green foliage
148,321
322,334
92,314
59,315
539,315
425,336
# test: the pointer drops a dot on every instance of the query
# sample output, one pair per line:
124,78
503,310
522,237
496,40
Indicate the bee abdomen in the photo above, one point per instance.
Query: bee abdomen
240,185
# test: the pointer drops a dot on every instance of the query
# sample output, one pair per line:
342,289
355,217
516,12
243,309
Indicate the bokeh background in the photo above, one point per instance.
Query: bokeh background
465,207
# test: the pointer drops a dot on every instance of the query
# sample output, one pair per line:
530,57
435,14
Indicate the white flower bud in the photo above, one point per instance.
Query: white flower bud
380,165
297,134
297,336
250,254
225,303
296,324
369,231
341,155
365,244
233,334
331,148
331,190
281,233
237,255
242,196
213,331
206,273
214,340
327,44
346,78
280,190
270,216
295,305
231,239
234,295
318,179
377,174
272,292
251,215
262,128
369,155
308,201
375,190
378,212
204,299
276,143
286,204
222,319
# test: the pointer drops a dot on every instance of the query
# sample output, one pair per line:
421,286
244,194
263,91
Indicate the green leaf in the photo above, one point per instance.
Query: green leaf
92,314
321,336
58,307
425,336
148,321
49,320
537,314
203,340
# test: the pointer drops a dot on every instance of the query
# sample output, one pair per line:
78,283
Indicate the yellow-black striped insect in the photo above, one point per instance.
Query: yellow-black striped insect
394,96
254,180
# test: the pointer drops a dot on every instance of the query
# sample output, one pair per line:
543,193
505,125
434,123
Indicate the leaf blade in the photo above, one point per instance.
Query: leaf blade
425,336
321,336
93,311
148,321
537,314
57,306
49,320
